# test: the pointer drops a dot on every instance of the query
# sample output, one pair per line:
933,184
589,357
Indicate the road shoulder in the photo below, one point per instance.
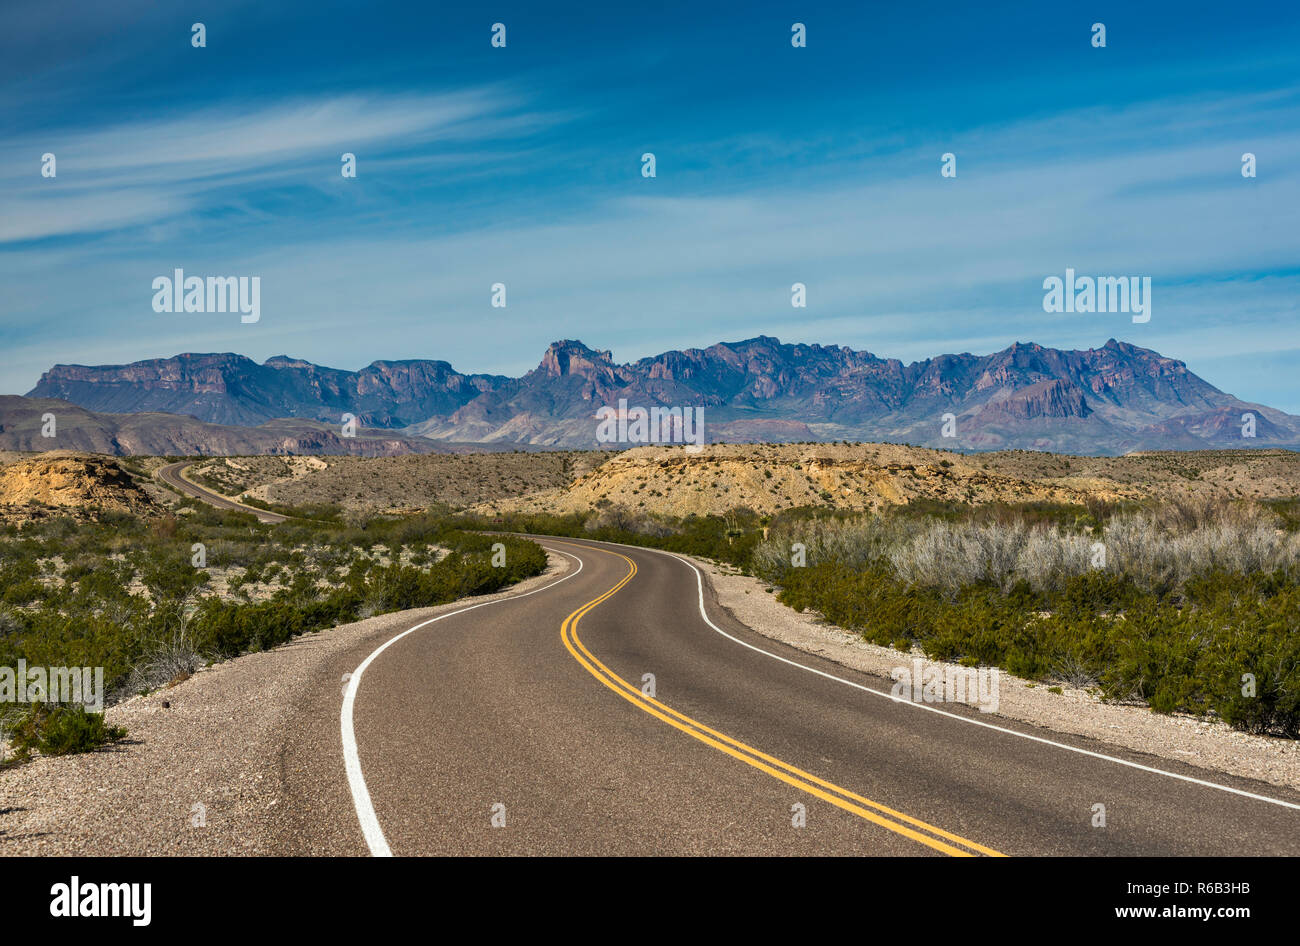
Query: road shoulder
1209,744
215,765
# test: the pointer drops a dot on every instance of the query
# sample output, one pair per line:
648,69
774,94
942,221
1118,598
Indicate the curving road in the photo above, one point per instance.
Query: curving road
528,725
173,474
534,709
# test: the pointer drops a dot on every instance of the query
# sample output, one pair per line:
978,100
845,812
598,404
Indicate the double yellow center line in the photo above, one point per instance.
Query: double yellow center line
886,817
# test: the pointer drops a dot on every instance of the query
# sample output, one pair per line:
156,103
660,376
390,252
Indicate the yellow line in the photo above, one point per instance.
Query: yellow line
778,769
775,761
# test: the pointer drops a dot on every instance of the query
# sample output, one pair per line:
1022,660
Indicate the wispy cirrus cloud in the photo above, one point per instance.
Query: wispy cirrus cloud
151,168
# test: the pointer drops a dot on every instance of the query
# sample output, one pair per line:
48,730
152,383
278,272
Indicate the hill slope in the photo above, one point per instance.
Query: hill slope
69,483
21,424
769,478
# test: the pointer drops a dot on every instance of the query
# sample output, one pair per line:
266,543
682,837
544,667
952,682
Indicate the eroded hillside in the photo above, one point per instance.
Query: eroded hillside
79,483
393,484
769,477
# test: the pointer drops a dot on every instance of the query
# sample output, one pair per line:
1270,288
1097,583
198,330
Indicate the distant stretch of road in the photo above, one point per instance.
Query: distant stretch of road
173,474
618,709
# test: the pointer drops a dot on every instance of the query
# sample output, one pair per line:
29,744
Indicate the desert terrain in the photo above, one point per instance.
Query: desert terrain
670,481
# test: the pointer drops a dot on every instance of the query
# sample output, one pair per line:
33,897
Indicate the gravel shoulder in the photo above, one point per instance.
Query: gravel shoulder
1209,744
218,741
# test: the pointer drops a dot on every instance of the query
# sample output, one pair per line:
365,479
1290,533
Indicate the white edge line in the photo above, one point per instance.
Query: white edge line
375,839
699,580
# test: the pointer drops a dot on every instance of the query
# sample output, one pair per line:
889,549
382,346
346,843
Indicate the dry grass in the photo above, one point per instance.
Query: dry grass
1161,548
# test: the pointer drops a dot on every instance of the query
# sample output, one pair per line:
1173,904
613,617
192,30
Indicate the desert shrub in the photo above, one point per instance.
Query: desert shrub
953,556
1189,602
11,624
855,541
1159,550
168,574
1162,552
162,663
61,730
24,591
1048,559
225,628
175,622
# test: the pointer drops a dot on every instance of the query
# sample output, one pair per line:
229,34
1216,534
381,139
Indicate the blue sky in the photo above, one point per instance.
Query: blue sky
775,165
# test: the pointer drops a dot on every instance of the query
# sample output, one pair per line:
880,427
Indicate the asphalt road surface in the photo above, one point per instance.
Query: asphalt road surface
173,475
618,709
526,726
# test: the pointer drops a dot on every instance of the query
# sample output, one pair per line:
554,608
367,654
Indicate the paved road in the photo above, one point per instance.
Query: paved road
536,712
174,475
535,704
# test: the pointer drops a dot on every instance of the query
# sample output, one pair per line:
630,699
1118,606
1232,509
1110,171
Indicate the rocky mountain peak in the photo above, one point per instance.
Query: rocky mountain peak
571,357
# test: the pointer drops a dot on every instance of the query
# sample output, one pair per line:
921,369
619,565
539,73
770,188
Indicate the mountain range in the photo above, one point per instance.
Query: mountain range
1109,400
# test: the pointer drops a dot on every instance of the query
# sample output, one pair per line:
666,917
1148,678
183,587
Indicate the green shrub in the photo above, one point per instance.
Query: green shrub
61,730
1176,652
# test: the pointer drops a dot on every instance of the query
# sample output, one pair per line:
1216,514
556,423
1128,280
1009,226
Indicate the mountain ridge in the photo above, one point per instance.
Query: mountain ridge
1108,400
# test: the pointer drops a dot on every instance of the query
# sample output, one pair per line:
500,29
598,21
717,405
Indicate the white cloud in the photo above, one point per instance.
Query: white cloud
154,168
